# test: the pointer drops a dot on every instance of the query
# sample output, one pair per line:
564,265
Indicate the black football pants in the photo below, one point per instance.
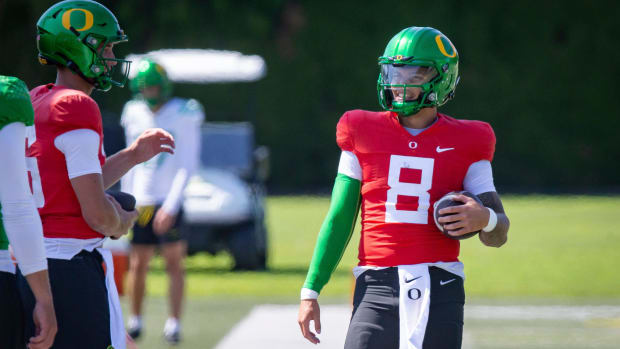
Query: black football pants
80,301
375,322
11,318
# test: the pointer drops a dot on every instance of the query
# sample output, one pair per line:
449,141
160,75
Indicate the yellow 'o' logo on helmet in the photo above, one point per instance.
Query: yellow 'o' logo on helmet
88,19
442,48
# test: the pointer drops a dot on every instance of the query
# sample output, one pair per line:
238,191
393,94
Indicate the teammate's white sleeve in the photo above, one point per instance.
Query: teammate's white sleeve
127,181
81,150
479,178
19,214
187,157
350,166
128,178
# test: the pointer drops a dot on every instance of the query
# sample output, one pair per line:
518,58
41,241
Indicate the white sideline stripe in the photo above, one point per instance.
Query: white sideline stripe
275,326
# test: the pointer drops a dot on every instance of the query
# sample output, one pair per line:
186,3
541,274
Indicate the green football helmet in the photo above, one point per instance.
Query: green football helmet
419,69
151,73
74,34
15,102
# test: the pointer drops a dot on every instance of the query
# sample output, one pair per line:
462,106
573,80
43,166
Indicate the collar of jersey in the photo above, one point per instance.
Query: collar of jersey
440,120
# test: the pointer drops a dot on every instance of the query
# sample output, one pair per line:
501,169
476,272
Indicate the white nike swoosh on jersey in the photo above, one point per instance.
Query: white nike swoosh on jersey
441,150
441,282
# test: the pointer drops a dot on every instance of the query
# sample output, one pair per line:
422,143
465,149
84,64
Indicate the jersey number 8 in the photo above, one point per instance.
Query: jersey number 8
419,190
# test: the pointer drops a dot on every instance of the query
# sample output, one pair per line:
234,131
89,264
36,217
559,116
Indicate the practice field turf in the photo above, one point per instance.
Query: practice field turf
558,247
562,250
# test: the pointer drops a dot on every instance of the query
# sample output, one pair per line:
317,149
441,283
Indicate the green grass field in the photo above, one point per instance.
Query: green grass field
561,249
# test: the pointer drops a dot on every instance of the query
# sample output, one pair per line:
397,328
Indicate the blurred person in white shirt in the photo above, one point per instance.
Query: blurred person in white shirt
158,186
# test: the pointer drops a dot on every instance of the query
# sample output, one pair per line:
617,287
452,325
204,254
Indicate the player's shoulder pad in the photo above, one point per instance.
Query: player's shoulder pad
356,124
191,108
15,105
72,109
481,137
134,110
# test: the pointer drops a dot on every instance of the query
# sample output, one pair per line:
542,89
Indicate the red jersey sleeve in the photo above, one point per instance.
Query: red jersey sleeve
344,137
75,111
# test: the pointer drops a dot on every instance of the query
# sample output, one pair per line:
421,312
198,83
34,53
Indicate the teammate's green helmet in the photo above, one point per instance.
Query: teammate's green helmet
74,34
151,73
14,102
419,69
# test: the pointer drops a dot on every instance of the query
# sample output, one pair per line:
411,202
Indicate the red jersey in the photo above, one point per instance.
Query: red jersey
58,110
403,175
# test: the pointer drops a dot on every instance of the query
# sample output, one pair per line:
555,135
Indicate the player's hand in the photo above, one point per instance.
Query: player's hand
466,218
127,218
44,318
163,222
309,310
150,143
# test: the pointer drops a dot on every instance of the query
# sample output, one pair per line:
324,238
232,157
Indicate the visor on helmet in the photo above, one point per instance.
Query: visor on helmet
407,74
405,82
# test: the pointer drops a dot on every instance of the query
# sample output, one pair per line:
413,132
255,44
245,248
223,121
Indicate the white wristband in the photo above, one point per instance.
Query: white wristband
307,293
492,221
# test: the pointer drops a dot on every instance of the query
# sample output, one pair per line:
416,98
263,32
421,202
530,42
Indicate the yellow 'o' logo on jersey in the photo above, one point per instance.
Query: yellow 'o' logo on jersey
88,19
442,48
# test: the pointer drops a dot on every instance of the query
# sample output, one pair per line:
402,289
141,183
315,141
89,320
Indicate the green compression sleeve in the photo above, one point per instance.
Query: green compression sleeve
335,232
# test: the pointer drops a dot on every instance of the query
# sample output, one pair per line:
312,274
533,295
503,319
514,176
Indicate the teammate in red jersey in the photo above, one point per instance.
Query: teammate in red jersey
395,164
69,172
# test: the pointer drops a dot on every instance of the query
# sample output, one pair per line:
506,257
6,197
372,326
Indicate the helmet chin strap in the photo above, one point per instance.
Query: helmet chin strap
74,68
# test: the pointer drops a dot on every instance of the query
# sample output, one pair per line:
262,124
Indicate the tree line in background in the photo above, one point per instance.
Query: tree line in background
544,74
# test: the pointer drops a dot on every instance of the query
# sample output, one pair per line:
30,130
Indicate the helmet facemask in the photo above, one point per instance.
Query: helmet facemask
107,72
407,88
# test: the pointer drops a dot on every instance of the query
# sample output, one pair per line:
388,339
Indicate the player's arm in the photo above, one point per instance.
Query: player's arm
23,229
333,238
187,157
19,214
150,143
334,235
100,211
489,218
497,236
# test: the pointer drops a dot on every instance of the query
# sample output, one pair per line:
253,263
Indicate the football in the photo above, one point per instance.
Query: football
448,200
126,200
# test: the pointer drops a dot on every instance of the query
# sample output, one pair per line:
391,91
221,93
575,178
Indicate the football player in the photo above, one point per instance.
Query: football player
20,226
70,172
395,164
158,186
